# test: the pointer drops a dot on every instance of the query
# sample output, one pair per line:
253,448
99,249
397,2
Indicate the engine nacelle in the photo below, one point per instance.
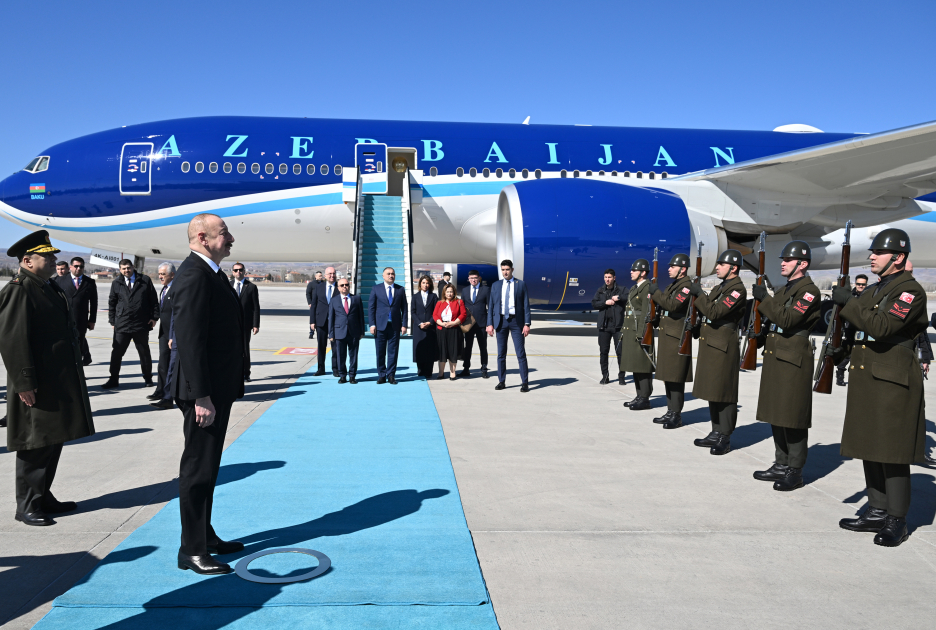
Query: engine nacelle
561,234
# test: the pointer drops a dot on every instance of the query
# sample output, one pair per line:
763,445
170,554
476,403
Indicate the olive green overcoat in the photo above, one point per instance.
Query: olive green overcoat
785,398
716,377
884,415
40,349
673,367
633,356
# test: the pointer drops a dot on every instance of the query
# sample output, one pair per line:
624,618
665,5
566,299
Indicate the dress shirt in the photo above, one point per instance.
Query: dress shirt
165,290
447,313
238,285
330,290
474,293
507,298
346,303
425,297
130,280
210,262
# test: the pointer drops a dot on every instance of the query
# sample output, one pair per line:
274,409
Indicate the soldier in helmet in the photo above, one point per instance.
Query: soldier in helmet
47,398
674,369
884,415
785,399
716,378
634,357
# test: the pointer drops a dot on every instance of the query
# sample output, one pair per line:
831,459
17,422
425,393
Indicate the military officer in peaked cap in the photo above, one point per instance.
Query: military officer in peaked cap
716,378
674,369
47,399
634,357
884,415
785,399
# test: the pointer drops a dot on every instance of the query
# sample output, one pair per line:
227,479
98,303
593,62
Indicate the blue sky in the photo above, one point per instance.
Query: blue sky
75,68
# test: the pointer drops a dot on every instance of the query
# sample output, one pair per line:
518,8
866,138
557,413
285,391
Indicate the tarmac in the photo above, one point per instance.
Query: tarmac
583,514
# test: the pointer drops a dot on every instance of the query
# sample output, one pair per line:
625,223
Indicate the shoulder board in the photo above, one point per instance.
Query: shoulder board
18,280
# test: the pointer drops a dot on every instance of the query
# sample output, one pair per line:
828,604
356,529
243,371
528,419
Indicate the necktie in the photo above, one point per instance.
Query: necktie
346,304
328,293
507,299
76,282
238,289
162,296
390,299
130,283
474,294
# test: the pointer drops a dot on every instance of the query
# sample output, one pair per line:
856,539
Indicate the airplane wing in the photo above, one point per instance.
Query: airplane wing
876,170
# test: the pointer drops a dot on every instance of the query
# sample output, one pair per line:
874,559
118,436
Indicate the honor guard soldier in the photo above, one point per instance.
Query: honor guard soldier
716,378
634,357
674,369
785,399
884,415
609,301
47,398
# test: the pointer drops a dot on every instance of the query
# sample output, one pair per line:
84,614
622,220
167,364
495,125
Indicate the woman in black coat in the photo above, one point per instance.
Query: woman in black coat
425,347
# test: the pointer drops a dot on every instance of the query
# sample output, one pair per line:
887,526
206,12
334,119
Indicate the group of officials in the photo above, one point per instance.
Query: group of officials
884,416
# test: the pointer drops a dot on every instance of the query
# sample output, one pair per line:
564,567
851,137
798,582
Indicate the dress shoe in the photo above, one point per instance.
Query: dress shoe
674,422
319,373
484,373
631,402
525,388
55,506
381,380
165,403
311,335
722,446
391,380
352,380
664,418
620,380
246,379
465,373
36,519
792,480
893,533
336,374
148,382
774,473
500,386
203,565
154,396
708,441
452,378
604,380
640,404
342,380
840,382
3,421
871,520
87,362
225,547
112,383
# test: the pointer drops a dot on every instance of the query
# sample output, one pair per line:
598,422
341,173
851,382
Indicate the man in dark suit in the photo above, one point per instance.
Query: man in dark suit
322,295
161,398
444,282
310,291
82,293
476,299
133,310
346,329
509,314
249,297
387,313
207,321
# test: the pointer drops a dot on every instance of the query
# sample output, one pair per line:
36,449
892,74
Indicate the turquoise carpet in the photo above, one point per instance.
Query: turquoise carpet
358,472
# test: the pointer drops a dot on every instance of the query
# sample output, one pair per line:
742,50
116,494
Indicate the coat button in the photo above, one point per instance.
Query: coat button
852,367
862,367
862,347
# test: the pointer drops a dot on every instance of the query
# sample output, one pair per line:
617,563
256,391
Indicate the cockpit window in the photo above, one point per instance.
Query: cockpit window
37,165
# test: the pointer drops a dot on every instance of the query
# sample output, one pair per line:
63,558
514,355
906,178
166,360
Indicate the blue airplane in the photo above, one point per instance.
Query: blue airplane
563,202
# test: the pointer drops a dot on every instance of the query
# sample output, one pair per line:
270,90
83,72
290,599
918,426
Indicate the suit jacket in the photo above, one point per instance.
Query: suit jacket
250,303
207,320
478,308
441,287
165,313
84,300
320,303
130,311
521,303
380,312
343,325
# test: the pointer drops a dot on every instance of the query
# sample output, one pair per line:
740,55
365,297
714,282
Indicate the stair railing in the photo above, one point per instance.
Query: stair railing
356,249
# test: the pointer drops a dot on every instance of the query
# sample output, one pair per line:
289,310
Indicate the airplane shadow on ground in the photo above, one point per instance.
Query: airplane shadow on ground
371,512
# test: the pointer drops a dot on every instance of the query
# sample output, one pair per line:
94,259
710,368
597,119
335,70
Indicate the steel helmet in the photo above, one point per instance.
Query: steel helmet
796,249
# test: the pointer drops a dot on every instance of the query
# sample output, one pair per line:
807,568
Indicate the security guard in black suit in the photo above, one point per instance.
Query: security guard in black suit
82,291
609,300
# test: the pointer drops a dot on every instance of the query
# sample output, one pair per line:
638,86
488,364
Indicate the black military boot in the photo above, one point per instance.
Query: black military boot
840,382
708,441
639,404
722,446
774,473
664,418
674,422
872,520
893,533
604,380
631,402
620,380
792,480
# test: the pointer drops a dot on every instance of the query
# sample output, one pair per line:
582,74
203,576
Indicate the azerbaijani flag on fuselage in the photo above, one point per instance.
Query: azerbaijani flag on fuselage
37,189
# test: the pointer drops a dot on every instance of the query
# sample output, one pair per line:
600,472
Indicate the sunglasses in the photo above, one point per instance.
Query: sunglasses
237,270
78,266
863,284
342,285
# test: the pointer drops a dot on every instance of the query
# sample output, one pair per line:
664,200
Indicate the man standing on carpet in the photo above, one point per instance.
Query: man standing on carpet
387,314
207,320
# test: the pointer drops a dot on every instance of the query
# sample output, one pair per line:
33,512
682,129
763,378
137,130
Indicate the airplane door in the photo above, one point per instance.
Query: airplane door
371,161
136,168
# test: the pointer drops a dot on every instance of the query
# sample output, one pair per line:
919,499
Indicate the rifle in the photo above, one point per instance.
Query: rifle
647,340
749,354
833,336
692,315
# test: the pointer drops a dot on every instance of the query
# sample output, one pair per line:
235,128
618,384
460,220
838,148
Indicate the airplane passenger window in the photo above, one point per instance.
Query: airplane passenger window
241,168
310,169
525,173
486,172
664,175
499,172
283,169
460,172
43,165
639,175
269,168
652,175
562,173
254,168
227,167
185,167
511,173
297,170
538,173
337,169
601,173
199,167
613,173
323,169
575,173
588,173
626,173
473,172
213,167
433,172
